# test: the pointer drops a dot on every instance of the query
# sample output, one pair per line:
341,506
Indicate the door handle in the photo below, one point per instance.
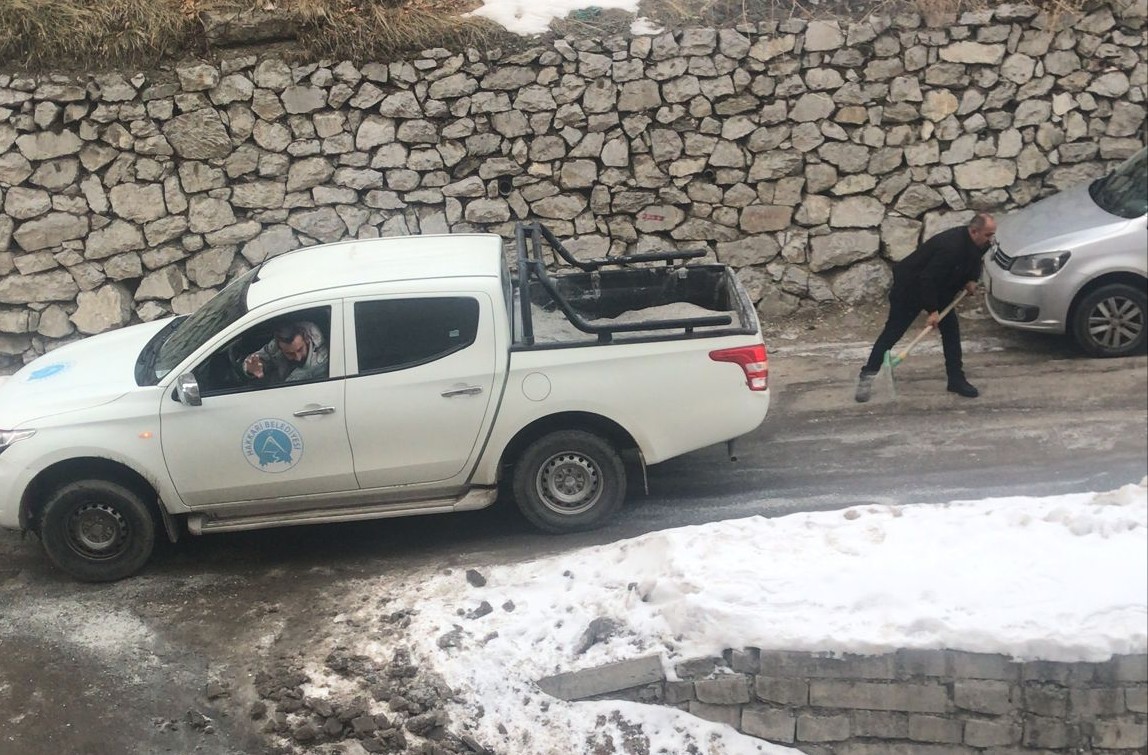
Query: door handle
314,412
469,390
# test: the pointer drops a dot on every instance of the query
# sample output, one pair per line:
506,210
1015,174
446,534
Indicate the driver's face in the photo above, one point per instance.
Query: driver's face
295,350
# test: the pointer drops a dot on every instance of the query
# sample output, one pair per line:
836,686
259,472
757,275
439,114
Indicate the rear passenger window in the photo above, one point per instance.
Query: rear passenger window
393,334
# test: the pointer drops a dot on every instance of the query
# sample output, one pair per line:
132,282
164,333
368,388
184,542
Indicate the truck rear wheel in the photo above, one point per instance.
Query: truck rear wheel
97,530
569,481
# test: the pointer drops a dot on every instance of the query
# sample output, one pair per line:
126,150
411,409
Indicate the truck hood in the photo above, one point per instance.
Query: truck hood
1063,221
80,375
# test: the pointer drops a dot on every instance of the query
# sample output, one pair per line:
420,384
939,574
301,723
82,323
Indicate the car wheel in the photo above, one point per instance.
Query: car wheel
97,530
1109,322
569,481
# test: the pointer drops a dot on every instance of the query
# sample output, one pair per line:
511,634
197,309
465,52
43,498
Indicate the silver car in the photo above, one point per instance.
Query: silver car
1077,263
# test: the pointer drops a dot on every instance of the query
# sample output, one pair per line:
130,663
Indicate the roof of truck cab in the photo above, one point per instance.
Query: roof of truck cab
379,260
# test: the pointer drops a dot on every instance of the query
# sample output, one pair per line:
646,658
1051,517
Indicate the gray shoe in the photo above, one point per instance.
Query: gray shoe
865,387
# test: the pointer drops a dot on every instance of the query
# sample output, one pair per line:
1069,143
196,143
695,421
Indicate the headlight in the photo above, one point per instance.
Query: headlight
8,437
1039,265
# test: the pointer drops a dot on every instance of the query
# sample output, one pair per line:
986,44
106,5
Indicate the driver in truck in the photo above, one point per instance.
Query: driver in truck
296,352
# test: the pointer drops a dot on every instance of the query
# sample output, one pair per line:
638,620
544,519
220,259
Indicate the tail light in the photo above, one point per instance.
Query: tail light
754,363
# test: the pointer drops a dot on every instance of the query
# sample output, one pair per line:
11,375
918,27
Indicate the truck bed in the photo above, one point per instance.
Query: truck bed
552,326
633,298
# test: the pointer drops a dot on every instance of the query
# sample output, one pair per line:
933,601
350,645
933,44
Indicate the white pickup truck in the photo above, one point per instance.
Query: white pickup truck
414,374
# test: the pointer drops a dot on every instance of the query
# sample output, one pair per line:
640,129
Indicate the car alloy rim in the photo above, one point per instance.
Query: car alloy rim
97,531
1115,322
569,483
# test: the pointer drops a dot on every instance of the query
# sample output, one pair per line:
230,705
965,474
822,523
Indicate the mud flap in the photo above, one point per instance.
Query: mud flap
169,524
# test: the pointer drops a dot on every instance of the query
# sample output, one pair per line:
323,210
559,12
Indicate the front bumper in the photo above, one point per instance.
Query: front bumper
1027,303
11,492
19,463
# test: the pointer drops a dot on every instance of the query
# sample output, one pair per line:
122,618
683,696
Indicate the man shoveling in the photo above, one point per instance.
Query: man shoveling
926,280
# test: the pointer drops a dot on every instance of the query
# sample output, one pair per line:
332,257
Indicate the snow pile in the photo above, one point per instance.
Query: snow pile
1062,578
528,17
552,326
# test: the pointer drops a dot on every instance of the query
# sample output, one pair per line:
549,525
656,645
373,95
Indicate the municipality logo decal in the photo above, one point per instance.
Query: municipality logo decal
272,445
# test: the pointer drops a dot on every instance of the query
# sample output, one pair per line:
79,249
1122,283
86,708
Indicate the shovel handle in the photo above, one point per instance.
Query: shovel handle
901,357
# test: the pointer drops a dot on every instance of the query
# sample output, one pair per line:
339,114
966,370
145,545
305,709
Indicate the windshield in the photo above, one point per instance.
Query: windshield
225,308
1124,191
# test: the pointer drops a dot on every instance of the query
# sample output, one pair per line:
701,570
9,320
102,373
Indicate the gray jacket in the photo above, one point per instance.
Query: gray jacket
278,368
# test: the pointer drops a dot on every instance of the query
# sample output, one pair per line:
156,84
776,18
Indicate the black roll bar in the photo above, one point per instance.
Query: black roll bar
530,261
536,229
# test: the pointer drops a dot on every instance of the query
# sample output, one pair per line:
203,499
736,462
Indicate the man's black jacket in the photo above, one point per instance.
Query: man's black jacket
931,276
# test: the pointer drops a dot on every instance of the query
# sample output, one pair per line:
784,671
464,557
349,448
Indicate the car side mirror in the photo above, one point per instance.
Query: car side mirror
187,390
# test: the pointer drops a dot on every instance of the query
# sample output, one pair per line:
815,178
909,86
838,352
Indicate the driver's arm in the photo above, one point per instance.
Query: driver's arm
255,364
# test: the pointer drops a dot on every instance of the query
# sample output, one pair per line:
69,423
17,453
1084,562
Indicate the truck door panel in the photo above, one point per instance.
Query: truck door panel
252,440
422,372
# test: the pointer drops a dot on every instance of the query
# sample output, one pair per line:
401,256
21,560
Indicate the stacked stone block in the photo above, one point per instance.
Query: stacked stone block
809,156
922,702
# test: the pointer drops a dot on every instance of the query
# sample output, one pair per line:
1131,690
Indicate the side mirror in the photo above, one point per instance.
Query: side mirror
187,390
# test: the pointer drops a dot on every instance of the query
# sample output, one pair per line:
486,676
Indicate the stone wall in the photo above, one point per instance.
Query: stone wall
807,155
912,702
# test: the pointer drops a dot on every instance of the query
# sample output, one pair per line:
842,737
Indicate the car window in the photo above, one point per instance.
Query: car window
393,334
291,349
1124,192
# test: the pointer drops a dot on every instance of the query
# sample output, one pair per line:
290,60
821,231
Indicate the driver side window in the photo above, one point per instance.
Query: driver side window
287,349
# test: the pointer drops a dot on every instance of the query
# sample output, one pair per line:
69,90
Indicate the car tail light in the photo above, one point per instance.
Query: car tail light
753,360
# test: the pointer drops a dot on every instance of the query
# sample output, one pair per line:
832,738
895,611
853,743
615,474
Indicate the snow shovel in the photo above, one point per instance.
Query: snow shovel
891,360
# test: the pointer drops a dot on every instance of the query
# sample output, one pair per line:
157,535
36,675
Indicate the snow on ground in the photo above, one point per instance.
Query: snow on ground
1062,578
528,17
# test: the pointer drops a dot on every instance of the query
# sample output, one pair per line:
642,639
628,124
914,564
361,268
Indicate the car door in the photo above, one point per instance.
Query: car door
252,440
420,377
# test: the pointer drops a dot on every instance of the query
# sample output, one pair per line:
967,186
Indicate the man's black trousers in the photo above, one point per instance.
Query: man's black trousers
902,313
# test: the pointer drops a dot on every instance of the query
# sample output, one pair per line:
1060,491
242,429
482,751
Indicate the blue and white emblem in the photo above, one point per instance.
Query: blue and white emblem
272,445
47,371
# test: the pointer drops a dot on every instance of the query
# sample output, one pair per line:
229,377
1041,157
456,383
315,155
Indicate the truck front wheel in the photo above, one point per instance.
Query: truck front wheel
569,481
97,530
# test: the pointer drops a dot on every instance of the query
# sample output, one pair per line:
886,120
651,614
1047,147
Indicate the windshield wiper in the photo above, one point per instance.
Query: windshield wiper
145,363
1097,186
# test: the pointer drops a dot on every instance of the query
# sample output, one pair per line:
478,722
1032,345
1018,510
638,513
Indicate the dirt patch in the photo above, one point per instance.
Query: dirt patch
79,35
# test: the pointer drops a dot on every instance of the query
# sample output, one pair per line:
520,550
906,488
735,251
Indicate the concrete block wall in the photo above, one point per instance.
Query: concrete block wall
911,702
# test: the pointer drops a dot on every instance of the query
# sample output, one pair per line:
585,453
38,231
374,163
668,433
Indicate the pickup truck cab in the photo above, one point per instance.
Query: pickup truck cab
423,375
